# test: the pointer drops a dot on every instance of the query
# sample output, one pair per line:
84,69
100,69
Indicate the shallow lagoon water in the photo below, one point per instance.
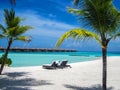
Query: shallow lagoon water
21,59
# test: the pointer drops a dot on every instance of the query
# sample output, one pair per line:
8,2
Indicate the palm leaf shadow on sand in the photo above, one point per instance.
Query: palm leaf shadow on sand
95,87
12,83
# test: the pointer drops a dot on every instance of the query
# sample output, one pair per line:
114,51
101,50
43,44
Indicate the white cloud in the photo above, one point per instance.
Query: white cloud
51,15
74,44
44,26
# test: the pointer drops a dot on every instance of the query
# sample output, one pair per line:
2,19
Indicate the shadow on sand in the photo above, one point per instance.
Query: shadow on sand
13,81
95,87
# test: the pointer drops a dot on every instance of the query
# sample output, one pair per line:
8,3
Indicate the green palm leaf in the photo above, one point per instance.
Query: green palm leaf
76,2
115,35
78,34
18,30
23,29
23,38
13,29
76,11
2,28
2,36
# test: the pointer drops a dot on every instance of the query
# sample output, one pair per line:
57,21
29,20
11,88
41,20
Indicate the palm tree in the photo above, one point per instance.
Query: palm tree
13,31
103,19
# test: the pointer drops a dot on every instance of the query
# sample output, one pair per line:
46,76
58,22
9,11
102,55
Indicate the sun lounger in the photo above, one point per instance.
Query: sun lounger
50,66
64,64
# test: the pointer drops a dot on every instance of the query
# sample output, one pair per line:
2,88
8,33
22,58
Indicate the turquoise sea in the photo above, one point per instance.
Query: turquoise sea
39,58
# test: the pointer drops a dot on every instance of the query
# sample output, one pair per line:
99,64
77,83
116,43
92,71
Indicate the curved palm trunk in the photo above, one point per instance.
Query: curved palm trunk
104,77
5,56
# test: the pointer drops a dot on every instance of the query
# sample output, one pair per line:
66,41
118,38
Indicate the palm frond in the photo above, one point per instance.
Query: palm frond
12,31
9,15
76,2
23,38
23,29
78,34
18,30
2,36
115,35
2,28
75,11
14,22
13,28
101,15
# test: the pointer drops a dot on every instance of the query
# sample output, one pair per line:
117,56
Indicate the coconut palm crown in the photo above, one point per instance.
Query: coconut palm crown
103,19
12,31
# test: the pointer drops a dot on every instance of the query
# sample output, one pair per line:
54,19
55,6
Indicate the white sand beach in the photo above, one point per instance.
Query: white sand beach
82,76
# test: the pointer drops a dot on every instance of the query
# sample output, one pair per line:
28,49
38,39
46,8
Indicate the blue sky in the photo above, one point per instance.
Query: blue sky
50,20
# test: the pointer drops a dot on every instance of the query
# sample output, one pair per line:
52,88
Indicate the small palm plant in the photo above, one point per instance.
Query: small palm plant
104,21
13,31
